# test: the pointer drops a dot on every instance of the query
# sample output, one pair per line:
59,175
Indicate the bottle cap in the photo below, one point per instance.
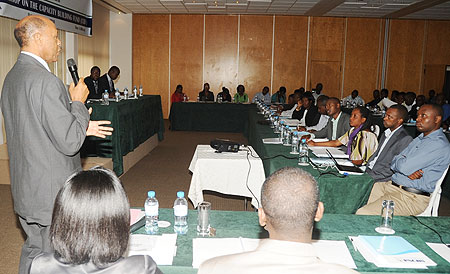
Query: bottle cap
180,194
151,194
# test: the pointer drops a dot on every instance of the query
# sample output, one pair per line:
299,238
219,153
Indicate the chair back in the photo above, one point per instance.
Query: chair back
433,205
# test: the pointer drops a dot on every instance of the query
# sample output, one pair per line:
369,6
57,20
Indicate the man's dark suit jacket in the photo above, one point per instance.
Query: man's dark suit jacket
381,171
103,84
312,116
93,94
342,127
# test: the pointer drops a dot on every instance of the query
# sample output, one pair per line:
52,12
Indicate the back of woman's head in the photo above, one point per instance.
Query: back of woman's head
365,113
91,219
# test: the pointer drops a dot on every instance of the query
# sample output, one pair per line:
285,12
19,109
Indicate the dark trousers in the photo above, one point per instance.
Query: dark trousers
37,241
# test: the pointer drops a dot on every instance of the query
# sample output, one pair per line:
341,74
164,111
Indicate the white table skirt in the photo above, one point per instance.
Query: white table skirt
226,173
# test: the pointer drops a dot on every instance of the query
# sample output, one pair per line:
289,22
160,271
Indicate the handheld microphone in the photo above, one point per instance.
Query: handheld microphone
73,70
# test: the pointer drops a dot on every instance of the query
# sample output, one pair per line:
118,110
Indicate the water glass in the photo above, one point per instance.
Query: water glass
387,217
203,218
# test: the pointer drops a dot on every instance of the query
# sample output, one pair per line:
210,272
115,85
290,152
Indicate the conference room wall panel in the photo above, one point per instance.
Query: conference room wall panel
342,53
405,55
221,49
151,55
186,54
326,53
290,46
437,54
255,52
363,55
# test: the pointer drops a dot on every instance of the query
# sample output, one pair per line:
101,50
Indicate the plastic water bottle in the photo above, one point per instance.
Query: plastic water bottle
117,95
105,98
303,153
294,144
286,134
135,92
125,93
180,211
141,91
151,213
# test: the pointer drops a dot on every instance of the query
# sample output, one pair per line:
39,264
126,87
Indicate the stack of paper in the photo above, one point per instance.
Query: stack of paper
207,248
162,248
390,251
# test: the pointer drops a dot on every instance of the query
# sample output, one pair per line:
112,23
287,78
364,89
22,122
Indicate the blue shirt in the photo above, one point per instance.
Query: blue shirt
429,153
266,98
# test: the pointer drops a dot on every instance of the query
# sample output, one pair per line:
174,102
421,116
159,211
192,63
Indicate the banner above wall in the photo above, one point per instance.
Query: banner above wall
68,15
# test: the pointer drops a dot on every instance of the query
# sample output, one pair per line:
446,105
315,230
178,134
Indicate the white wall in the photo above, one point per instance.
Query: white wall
120,48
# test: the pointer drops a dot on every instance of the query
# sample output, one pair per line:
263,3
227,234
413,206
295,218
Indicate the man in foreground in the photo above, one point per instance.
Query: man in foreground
393,141
416,169
44,131
290,205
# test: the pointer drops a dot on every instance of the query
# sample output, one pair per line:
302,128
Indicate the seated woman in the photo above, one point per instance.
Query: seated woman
280,96
90,229
240,96
178,95
206,95
306,112
225,94
360,141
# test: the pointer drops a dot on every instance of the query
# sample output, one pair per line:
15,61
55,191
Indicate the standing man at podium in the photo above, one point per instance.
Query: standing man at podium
45,129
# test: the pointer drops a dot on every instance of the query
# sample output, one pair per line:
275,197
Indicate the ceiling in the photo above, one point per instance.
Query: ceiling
405,9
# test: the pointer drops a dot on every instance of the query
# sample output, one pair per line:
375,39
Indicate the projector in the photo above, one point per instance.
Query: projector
222,145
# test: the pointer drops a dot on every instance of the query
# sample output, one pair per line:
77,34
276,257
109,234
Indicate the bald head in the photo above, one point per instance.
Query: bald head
27,27
38,35
289,199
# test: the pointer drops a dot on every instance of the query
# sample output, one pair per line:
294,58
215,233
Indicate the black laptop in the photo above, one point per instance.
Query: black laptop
345,169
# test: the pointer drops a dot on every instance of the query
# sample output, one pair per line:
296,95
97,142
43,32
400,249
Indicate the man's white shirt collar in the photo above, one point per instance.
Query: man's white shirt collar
337,118
39,59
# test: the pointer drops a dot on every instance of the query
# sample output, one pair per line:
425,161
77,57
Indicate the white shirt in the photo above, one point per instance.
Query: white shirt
288,113
109,81
388,134
321,124
38,58
335,124
386,102
302,121
358,101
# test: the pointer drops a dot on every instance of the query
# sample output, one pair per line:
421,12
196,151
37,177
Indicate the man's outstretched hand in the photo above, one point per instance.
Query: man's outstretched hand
97,128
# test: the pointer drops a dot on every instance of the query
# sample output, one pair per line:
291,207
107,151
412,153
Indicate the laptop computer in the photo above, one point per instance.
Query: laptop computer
354,170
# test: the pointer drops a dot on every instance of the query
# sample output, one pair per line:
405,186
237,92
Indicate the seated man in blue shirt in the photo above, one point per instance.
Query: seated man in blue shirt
416,169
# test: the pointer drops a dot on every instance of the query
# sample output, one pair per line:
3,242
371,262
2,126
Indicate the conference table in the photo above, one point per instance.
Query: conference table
209,116
229,173
234,224
340,194
134,121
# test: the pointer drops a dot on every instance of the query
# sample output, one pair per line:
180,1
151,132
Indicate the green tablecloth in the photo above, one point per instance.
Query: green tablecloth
134,121
339,195
233,224
196,116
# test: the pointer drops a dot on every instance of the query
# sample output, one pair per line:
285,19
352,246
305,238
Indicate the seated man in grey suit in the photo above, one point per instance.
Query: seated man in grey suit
394,140
290,205
338,124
